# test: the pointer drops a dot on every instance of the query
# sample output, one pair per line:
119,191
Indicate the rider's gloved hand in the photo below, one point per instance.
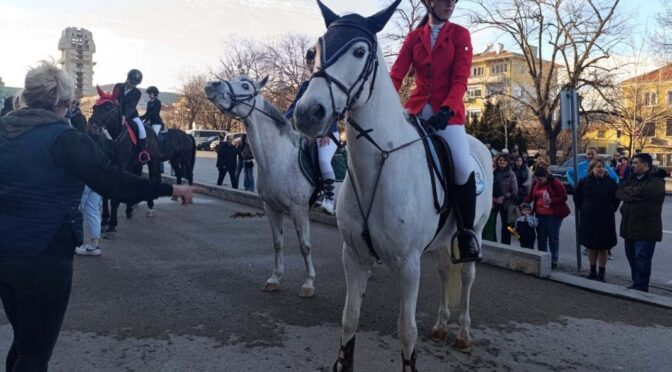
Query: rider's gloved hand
439,121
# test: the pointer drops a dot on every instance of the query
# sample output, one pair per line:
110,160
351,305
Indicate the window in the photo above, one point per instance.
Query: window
649,129
477,71
619,133
650,98
669,98
668,128
499,68
473,113
601,133
474,92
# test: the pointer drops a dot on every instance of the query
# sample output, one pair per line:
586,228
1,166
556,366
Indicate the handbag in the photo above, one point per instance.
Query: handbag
512,214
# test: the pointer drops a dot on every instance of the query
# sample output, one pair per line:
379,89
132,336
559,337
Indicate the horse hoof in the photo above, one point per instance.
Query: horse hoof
150,213
270,287
439,335
307,292
463,345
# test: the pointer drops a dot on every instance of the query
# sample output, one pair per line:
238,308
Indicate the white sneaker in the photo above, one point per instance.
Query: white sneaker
88,250
328,206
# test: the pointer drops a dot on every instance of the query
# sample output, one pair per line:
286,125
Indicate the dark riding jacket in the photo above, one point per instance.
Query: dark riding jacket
153,114
44,164
127,101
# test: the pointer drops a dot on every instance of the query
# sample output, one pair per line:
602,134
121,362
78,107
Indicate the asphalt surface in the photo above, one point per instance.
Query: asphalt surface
181,292
618,270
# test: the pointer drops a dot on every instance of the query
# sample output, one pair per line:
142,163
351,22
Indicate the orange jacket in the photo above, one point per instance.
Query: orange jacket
441,74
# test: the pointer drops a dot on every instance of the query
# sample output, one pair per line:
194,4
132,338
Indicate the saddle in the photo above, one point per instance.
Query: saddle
440,164
310,165
143,156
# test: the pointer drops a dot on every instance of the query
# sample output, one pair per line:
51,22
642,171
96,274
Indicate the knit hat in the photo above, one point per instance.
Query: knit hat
524,206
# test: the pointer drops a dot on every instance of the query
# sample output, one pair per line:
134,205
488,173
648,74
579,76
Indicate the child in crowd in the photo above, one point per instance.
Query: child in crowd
525,226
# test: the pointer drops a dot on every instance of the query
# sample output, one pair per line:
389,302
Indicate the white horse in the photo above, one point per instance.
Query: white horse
387,191
280,183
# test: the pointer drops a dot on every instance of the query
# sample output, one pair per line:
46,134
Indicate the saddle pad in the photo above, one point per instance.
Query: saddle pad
479,175
310,165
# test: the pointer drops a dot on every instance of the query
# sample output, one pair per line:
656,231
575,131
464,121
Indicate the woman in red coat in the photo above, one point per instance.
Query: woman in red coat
440,53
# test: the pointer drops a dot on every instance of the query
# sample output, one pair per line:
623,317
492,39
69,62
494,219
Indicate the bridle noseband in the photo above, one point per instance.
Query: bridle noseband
241,99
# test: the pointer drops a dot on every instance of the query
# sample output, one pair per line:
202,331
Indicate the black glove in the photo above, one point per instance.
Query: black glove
439,121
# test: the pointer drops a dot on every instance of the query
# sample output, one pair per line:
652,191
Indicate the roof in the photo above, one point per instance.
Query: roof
503,54
662,74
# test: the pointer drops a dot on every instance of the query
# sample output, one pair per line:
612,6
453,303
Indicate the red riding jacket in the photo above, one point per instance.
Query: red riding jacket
441,73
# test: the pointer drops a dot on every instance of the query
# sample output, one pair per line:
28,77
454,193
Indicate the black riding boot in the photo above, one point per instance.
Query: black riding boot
328,202
465,200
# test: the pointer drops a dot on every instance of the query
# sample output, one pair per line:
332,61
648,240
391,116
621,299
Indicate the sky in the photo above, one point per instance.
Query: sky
168,39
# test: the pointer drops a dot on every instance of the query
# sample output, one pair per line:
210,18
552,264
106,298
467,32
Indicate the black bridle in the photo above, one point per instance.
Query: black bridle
113,115
369,71
241,99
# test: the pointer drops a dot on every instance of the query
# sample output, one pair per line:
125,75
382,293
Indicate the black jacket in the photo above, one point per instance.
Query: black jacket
596,199
153,114
642,207
227,155
127,101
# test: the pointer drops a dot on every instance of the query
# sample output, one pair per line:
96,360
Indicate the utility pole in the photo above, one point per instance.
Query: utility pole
569,114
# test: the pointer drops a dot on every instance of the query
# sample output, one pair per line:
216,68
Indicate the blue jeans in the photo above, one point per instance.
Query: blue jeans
549,231
92,204
639,254
248,182
239,167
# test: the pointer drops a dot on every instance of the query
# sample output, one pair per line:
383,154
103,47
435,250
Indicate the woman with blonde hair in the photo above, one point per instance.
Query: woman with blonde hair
595,200
44,164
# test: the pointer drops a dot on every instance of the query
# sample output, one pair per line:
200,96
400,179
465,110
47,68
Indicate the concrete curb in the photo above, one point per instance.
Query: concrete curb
528,261
611,290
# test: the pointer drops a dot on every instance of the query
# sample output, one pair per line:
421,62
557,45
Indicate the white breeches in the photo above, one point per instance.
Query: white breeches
456,136
326,153
157,128
141,128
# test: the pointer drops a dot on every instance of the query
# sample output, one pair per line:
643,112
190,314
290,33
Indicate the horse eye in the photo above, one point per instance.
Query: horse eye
246,86
359,52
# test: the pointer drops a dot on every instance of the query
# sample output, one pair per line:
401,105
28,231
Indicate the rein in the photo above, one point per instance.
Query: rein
241,99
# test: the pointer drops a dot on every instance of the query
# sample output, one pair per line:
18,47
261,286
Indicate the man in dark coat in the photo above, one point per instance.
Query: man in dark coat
641,224
227,160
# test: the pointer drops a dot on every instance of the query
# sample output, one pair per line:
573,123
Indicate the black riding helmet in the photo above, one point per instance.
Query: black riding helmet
310,55
153,90
134,76
430,9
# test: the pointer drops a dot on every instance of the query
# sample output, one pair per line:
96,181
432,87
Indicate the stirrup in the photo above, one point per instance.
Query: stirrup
465,256
409,362
348,356
143,157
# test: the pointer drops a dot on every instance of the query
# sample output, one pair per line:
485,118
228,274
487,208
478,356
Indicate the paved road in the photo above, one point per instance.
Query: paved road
617,268
181,292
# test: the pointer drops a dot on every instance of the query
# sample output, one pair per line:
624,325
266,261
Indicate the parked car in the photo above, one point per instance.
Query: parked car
560,171
205,143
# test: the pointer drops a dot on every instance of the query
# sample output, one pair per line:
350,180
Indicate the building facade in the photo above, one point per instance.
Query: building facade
645,120
77,48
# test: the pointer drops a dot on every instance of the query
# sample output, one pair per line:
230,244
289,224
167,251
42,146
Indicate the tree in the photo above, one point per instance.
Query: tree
576,35
662,39
495,128
195,101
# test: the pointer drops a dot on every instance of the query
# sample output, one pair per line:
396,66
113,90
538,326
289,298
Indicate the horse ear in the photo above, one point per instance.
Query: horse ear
379,20
262,82
101,92
328,15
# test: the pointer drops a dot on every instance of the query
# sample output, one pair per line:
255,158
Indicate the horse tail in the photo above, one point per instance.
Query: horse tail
454,282
193,152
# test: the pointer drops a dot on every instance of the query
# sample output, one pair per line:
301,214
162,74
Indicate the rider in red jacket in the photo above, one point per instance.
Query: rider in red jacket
440,53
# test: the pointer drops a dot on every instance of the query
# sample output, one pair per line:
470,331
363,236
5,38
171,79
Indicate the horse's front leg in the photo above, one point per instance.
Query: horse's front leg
409,282
276,220
356,278
440,329
114,206
463,340
302,224
106,212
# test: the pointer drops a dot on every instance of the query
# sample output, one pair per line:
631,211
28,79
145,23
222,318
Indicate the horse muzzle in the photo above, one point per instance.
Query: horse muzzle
312,118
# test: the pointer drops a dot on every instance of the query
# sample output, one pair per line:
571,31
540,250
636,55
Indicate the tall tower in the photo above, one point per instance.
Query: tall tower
77,48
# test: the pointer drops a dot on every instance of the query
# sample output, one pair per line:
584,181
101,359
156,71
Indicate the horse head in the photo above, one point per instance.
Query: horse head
236,97
345,69
106,113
